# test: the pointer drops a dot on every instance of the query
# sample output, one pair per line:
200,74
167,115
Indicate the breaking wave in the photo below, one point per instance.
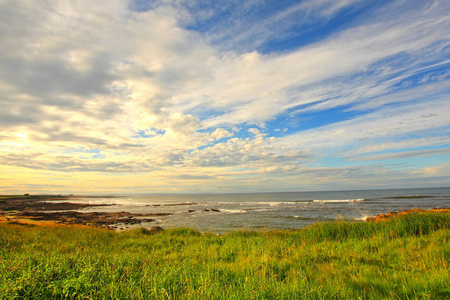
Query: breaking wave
338,201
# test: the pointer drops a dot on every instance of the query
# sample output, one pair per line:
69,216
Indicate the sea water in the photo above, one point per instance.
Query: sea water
220,213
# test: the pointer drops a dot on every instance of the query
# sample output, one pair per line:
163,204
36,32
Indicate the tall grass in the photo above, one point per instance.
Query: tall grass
403,258
414,224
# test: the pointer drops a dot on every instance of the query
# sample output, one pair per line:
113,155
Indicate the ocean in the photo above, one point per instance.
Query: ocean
220,213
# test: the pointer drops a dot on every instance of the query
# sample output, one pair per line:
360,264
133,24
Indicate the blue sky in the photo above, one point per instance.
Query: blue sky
168,96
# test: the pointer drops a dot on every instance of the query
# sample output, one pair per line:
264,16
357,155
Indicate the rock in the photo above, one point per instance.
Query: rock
216,210
205,209
389,215
155,230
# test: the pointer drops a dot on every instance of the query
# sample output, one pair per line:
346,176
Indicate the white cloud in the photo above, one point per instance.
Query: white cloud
408,154
244,31
254,131
260,153
96,87
221,133
410,143
354,66
384,124
442,171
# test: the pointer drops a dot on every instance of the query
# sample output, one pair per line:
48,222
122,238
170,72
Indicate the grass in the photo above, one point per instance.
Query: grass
403,258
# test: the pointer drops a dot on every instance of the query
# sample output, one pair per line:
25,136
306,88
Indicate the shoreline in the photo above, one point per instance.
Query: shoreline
324,261
394,214
41,211
38,210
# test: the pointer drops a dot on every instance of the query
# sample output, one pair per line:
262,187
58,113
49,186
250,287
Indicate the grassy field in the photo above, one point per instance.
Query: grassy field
403,258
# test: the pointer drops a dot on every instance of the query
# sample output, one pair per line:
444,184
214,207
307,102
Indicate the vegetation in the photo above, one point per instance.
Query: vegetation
406,257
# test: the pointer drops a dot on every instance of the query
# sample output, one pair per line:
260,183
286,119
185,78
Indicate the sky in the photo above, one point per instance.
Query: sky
172,96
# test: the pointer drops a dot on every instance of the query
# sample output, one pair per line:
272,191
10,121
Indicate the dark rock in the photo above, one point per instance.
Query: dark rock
65,212
155,230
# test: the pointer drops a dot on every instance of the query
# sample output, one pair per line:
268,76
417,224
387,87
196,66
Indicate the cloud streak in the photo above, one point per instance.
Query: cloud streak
169,91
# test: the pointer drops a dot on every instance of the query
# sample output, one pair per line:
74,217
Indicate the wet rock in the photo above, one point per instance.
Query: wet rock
43,209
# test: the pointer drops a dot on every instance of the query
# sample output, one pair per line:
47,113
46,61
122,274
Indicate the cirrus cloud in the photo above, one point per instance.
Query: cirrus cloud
169,91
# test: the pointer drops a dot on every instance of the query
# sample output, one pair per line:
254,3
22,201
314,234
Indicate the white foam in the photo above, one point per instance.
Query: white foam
338,200
234,211
254,203
287,203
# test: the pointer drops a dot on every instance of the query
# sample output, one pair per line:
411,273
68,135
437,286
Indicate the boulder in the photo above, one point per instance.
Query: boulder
155,229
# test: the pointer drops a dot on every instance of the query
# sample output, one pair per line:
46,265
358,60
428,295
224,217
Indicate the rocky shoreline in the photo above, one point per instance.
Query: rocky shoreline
47,209
32,209
384,217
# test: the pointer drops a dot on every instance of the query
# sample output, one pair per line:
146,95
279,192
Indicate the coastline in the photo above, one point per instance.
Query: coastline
403,258
48,210
394,214
40,210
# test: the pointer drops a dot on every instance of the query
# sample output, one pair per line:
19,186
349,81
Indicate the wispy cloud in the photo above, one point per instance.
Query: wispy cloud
173,91
383,125
248,29
408,154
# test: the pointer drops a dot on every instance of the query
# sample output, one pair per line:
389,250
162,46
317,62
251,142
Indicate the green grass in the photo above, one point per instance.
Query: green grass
403,258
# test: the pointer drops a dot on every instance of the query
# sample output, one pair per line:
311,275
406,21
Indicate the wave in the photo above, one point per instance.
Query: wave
265,203
254,203
301,218
290,203
293,203
361,218
338,200
234,211
144,204
410,197
179,204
